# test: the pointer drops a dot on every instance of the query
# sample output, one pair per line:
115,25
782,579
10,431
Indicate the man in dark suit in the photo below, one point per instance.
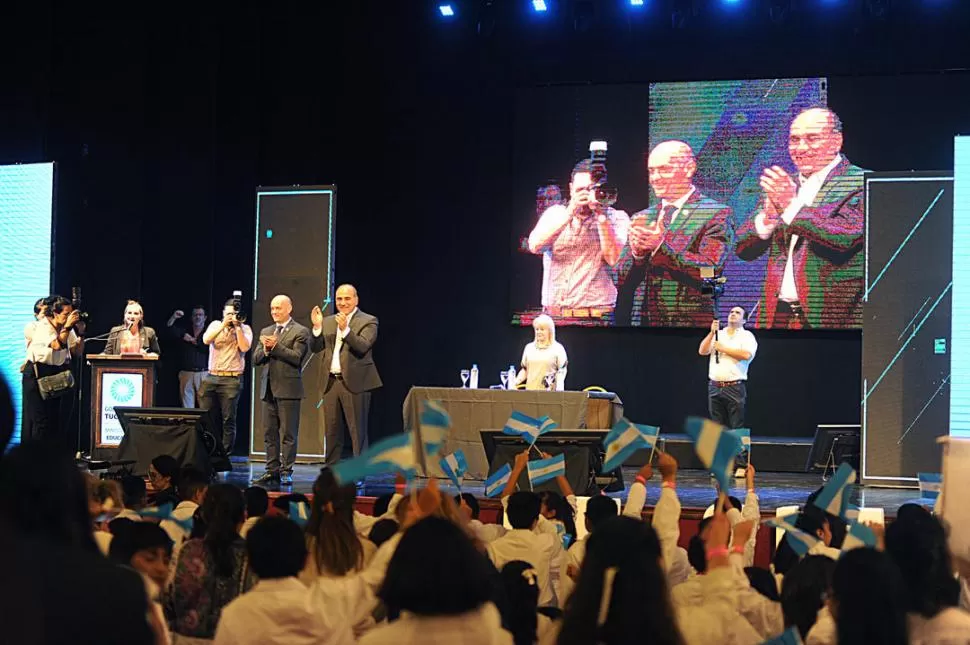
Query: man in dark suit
282,350
659,268
812,229
346,340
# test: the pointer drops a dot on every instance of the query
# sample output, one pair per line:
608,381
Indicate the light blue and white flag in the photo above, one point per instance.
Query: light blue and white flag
542,470
524,426
435,425
546,424
788,637
300,513
164,512
930,485
858,535
800,541
455,466
715,446
625,439
495,484
834,497
744,435
852,513
395,454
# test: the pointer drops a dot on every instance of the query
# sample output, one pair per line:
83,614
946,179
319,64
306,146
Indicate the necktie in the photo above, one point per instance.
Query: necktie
662,214
279,330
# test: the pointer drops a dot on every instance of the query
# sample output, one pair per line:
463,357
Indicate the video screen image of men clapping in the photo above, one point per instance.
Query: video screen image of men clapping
638,205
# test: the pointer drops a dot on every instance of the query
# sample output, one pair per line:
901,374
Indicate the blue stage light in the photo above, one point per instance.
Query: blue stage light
636,3
446,10
539,5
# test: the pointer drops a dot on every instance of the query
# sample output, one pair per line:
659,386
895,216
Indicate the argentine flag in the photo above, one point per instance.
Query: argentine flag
930,485
788,637
834,498
164,512
300,513
798,540
435,424
495,484
744,435
715,446
524,426
624,439
858,535
455,466
392,455
542,470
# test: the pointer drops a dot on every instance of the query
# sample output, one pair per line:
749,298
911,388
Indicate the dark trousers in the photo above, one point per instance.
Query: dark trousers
726,404
222,393
48,420
281,419
344,411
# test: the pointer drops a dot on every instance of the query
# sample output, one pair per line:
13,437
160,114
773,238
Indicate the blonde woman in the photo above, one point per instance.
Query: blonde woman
133,337
543,360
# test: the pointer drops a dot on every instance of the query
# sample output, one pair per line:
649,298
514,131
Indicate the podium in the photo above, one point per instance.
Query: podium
117,380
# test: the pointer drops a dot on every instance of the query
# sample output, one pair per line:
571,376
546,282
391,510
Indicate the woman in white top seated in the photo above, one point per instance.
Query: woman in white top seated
543,360
133,337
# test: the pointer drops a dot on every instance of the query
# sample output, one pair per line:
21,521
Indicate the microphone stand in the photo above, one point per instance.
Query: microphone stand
80,390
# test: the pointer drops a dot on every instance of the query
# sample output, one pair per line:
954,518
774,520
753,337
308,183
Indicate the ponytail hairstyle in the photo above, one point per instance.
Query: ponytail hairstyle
555,502
335,546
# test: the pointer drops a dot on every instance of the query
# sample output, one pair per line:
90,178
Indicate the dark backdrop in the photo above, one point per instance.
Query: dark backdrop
163,120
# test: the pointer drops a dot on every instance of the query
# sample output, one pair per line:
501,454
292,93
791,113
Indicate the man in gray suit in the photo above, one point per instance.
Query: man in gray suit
282,349
346,340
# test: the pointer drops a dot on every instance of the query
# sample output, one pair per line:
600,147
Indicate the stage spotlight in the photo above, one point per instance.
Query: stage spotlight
539,5
636,3
446,10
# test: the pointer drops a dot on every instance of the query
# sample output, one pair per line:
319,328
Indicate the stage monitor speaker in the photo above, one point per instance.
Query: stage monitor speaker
833,445
184,433
584,458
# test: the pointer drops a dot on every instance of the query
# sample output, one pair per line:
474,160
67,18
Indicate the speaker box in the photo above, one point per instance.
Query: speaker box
184,433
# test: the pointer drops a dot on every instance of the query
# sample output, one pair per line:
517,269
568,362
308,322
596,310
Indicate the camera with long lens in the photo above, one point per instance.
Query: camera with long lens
600,189
712,284
237,304
78,305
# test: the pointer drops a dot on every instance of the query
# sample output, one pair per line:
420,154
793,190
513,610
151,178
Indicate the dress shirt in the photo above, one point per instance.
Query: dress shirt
339,343
482,626
486,532
190,357
224,352
949,627
283,612
807,192
578,274
39,350
540,550
364,523
728,368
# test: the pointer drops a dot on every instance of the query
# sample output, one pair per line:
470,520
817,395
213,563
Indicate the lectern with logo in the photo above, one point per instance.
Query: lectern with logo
117,381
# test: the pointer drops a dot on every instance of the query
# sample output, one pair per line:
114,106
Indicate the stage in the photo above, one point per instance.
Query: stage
693,488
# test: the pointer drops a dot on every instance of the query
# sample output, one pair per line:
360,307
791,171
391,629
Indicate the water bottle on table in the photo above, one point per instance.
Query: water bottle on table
474,377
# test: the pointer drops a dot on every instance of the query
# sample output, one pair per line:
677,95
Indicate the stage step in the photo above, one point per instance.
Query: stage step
768,454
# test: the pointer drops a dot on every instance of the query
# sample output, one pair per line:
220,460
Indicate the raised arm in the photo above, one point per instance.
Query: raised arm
666,514
708,342
520,464
551,223
613,228
638,493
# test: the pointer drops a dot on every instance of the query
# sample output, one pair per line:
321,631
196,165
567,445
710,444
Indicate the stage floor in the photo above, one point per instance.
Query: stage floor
693,487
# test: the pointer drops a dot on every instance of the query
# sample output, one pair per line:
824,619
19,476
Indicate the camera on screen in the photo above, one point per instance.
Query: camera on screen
600,189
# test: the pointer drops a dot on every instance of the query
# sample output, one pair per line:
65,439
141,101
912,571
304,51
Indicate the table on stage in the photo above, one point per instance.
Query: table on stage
475,410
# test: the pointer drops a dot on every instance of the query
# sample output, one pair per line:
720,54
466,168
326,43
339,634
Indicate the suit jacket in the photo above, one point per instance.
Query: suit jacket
827,258
356,360
283,367
149,340
664,288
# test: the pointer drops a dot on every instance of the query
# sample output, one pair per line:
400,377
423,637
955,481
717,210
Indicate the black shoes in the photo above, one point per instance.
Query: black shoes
269,477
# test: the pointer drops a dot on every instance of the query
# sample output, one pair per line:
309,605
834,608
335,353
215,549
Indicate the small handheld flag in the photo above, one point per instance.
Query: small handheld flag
859,535
435,424
800,541
524,426
164,512
624,439
930,485
715,446
834,498
300,513
495,484
542,470
395,454
455,466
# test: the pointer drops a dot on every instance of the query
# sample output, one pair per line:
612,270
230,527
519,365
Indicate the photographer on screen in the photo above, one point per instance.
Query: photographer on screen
228,339
584,240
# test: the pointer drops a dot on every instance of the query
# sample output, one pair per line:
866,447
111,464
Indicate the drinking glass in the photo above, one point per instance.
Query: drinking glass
550,381
465,374
505,379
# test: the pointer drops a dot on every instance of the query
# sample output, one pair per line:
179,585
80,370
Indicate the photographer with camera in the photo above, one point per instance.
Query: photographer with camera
228,339
731,350
584,240
659,271
193,355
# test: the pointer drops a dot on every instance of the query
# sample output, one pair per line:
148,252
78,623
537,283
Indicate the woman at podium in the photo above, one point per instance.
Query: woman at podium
544,359
132,337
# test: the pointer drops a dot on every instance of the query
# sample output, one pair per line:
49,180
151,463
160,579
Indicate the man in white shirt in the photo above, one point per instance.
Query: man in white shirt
731,351
583,241
280,609
811,227
540,549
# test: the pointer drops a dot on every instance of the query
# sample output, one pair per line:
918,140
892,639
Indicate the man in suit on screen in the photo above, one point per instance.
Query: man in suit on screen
811,226
669,243
281,352
346,339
